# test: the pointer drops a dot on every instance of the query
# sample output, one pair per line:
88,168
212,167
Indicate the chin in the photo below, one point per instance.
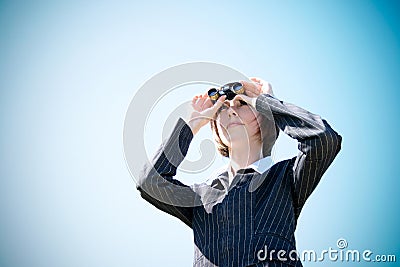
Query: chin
238,135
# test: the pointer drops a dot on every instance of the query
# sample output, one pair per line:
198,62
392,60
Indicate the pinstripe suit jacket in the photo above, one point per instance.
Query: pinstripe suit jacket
232,223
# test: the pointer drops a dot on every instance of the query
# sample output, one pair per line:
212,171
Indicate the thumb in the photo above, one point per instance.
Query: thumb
219,103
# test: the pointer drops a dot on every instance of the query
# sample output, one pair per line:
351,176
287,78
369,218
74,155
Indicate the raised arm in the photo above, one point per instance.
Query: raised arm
157,184
318,142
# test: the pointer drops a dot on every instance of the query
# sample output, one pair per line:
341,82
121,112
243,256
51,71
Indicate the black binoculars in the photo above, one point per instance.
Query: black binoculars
229,89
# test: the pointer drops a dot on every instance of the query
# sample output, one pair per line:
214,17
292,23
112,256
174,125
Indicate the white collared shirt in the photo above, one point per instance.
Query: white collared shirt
260,166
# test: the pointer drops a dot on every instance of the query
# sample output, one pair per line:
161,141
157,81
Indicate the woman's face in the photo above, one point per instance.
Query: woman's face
237,122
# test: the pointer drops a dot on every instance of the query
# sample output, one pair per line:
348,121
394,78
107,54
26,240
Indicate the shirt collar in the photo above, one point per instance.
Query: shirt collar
259,166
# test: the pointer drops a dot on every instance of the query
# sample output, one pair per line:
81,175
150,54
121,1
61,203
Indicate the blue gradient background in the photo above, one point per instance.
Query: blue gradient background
68,71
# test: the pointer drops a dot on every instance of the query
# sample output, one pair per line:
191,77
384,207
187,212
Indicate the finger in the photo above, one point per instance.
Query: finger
255,79
240,97
251,87
207,103
251,94
201,101
195,103
258,81
244,98
247,85
262,81
219,103
237,98
194,100
195,97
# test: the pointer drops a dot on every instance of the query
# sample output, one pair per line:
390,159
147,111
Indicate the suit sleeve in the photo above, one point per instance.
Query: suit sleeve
156,182
318,144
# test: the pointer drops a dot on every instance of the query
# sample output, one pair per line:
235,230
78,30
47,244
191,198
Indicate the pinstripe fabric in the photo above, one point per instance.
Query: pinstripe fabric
231,223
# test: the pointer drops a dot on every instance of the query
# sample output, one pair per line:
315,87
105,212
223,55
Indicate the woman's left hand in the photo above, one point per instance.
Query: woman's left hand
266,87
253,89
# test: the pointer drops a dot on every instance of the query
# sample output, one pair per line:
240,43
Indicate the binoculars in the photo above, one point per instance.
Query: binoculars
229,89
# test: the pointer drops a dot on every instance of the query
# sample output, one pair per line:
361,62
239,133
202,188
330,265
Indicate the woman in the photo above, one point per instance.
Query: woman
247,215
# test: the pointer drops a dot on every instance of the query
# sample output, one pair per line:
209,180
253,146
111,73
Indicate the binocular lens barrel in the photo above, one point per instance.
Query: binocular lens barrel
238,88
213,94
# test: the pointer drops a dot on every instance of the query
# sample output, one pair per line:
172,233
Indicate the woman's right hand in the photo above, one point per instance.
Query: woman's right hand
203,111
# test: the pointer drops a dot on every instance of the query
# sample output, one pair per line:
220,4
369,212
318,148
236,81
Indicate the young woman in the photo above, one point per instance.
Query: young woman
247,215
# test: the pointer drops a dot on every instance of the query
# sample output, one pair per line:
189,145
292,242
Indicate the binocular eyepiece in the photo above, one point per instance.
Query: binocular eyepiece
229,89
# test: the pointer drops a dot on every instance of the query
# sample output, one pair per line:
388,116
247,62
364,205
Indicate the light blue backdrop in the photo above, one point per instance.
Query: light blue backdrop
68,71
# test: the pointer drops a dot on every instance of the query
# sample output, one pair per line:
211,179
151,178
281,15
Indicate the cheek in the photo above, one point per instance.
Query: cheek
223,134
249,118
222,121
252,122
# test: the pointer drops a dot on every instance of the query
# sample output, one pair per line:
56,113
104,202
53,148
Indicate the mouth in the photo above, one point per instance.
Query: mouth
234,124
